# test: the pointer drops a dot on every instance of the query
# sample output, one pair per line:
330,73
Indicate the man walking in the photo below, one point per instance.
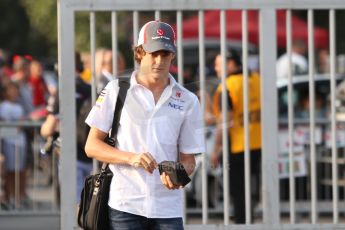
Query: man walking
160,121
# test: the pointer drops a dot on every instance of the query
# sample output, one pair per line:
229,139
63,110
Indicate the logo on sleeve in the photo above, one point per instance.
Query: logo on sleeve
100,98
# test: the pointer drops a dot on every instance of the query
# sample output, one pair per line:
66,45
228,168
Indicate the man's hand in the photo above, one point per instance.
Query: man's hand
214,159
167,182
144,160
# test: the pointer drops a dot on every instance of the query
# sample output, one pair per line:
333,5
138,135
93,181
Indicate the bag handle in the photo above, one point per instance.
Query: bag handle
124,84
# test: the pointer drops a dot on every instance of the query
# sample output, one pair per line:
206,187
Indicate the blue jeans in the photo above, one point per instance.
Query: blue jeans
83,170
126,221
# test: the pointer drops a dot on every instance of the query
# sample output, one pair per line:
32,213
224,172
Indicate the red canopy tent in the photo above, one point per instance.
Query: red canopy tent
234,28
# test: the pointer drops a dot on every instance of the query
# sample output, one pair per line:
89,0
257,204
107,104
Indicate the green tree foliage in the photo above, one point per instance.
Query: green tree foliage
43,17
14,26
30,26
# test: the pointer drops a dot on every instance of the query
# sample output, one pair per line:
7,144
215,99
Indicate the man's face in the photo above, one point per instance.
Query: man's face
156,64
35,69
231,66
218,66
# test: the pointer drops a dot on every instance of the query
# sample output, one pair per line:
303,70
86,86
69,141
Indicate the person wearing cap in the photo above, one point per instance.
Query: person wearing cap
160,121
234,85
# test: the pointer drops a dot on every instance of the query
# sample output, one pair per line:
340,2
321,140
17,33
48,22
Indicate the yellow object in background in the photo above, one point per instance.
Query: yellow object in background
86,76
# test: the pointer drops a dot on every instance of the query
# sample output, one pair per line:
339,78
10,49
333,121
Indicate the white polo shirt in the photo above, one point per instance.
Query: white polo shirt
173,124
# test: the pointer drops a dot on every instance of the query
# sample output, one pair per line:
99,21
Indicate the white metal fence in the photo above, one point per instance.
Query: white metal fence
28,179
270,203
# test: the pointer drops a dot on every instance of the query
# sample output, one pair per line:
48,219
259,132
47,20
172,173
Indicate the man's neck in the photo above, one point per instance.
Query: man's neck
153,84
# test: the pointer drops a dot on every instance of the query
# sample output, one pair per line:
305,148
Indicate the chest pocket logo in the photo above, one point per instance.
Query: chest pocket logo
175,106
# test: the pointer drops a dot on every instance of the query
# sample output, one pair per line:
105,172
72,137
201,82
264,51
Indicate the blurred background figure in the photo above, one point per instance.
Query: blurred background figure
106,70
234,87
13,146
50,127
323,61
86,74
104,67
21,72
299,62
5,68
233,64
38,86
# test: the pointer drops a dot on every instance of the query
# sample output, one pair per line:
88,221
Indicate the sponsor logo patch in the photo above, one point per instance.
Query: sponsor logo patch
175,106
160,32
100,98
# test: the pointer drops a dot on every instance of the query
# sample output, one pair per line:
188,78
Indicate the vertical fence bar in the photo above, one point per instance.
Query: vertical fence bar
2,162
225,127
93,70
179,41
16,176
135,31
179,18
333,117
269,117
114,45
35,168
93,52
68,157
202,99
157,15
311,55
55,182
290,118
247,176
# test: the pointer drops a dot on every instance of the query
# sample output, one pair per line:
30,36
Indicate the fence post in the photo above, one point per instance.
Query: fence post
269,117
67,110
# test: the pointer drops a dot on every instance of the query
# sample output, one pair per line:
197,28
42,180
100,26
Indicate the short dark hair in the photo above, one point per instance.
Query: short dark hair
79,66
233,55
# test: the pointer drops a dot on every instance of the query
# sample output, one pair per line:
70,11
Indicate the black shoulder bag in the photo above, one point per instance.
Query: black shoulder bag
93,208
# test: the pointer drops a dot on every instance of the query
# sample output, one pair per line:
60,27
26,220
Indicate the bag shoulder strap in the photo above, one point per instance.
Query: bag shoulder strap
124,86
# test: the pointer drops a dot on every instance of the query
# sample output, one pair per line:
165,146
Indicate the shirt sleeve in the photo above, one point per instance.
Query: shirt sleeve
102,113
192,138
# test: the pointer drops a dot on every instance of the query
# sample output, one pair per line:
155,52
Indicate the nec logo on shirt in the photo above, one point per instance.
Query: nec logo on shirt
174,106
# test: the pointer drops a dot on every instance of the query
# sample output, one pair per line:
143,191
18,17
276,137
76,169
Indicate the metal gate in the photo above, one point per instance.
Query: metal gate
271,205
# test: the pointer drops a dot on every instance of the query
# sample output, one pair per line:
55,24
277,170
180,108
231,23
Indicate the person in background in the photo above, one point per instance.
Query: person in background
323,65
235,116
86,74
36,81
21,68
299,62
50,126
5,68
13,146
160,121
106,68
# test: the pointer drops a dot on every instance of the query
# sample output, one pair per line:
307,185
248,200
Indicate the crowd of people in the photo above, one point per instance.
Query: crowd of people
25,91
28,92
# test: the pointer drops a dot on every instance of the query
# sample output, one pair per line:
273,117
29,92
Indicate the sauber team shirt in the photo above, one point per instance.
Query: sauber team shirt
172,125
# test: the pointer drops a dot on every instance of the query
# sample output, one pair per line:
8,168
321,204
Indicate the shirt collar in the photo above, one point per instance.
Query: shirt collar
133,81
107,75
